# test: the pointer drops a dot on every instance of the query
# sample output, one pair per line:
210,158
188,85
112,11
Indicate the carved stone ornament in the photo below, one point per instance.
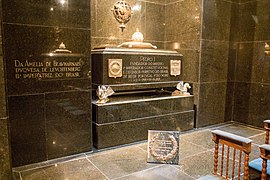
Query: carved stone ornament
183,89
267,49
175,67
137,42
163,148
122,12
115,68
103,93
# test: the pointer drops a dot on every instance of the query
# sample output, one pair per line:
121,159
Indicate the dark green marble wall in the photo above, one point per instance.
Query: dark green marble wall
49,117
5,163
214,59
252,66
149,18
202,29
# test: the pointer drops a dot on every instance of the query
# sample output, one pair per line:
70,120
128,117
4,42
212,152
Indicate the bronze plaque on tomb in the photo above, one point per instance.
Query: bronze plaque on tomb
163,147
115,68
175,67
136,66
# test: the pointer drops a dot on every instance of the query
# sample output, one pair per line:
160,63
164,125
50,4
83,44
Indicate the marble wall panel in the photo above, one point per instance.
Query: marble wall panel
148,17
5,155
241,102
259,104
234,22
28,132
247,21
244,62
262,20
3,112
155,22
232,61
49,13
23,154
229,101
212,102
30,44
214,61
68,123
190,63
196,93
252,67
260,64
183,21
5,163
105,25
216,20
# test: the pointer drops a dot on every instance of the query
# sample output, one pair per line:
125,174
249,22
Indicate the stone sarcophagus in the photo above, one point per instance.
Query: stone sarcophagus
132,69
137,90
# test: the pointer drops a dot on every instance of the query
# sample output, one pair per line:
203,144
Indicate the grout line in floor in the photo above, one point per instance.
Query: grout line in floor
208,150
142,149
139,171
183,172
256,135
97,168
198,145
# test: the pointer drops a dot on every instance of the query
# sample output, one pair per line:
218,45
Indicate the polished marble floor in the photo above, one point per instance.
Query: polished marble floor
129,161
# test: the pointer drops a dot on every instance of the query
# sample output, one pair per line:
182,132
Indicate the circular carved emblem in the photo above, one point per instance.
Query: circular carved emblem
122,11
163,149
115,68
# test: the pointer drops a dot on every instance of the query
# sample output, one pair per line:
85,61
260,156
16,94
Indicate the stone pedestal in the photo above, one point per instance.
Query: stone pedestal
143,81
126,121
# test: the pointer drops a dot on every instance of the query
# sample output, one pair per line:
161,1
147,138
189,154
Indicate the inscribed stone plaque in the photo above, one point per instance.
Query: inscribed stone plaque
163,147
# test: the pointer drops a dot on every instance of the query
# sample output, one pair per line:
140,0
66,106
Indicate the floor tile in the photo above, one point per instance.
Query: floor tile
163,172
187,149
255,152
71,170
198,165
258,139
241,130
200,138
120,162
143,146
35,174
